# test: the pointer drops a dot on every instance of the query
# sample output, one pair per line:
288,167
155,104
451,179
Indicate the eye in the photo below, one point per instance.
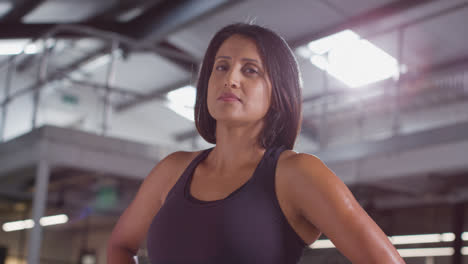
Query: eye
221,68
250,70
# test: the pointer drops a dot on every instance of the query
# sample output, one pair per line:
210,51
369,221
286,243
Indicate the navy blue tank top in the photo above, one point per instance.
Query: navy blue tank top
246,227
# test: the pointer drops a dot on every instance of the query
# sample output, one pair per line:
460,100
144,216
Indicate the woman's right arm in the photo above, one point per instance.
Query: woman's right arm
133,224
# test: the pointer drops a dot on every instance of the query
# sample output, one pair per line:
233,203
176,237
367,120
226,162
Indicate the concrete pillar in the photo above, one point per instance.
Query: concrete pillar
458,221
107,107
38,209
429,260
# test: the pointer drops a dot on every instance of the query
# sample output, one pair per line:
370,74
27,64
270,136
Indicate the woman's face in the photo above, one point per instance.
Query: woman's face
239,89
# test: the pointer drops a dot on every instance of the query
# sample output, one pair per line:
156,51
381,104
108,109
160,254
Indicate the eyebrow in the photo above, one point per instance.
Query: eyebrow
243,59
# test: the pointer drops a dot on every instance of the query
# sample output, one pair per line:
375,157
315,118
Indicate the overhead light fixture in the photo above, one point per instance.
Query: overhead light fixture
465,236
464,251
420,239
403,240
18,225
53,220
182,101
351,59
411,252
425,252
29,223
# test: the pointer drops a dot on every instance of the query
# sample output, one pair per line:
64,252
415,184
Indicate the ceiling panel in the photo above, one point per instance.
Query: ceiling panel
356,7
151,122
389,43
438,40
66,51
142,72
66,11
291,19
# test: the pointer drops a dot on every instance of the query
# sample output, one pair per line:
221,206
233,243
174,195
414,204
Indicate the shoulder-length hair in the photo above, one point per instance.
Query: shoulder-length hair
283,119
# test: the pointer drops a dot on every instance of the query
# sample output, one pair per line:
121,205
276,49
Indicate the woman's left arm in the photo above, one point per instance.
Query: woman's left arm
327,203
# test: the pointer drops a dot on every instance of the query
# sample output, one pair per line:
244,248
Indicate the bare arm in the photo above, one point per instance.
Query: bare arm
133,224
325,201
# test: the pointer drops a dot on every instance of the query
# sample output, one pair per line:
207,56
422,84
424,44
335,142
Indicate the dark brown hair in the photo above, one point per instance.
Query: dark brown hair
283,119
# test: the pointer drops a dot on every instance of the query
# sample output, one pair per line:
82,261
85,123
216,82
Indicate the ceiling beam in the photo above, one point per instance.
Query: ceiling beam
396,144
188,65
14,29
163,19
367,18
419,20
20,9
121,7
35,31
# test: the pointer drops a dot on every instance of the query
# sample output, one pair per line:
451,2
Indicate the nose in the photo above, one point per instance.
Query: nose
232,80
232,85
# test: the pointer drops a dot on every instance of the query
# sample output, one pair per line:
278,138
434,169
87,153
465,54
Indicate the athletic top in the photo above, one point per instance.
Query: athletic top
246,227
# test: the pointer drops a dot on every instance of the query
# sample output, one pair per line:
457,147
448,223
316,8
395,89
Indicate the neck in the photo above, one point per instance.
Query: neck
236,147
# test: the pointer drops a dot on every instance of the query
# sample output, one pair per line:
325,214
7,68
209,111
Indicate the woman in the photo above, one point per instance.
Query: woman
250,199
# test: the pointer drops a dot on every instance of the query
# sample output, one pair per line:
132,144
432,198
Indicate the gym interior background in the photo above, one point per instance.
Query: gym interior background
94,93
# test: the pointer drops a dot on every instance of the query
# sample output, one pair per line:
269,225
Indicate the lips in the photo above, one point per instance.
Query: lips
227,96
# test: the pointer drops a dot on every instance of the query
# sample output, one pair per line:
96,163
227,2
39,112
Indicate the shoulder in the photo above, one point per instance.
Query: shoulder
310,181
166,173
306,176
174,162
295,163
299,170
178,158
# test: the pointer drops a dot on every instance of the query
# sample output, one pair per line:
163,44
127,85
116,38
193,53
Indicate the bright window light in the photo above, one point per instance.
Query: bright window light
352,60
328,43
319,61
323,243
16,46
29,223
182,101
425,252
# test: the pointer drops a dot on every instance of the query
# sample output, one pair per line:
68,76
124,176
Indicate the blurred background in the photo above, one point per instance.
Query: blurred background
94,93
